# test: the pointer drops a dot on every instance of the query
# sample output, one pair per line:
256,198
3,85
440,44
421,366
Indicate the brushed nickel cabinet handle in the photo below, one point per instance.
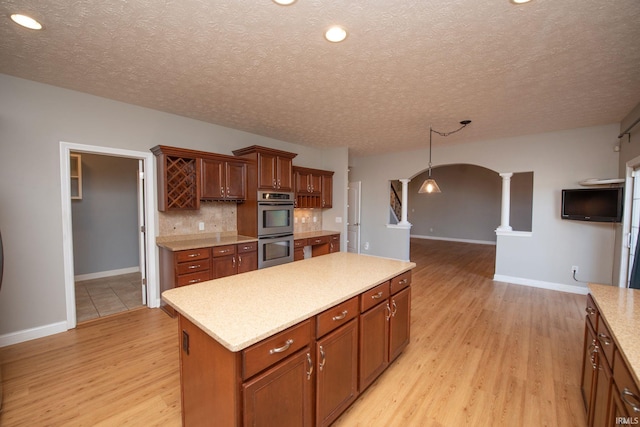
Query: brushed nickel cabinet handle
285,347
605,338
625,394
340,316
322,355
395,308
310,363
403,282
192,267
222,190
593,349
377,296
193,255
590,311
239,260
194,281
388,309
233,262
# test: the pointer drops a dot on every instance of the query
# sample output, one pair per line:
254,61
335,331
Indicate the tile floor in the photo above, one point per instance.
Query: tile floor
110,295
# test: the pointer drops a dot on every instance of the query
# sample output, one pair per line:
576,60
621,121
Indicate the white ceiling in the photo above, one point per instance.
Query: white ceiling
266,69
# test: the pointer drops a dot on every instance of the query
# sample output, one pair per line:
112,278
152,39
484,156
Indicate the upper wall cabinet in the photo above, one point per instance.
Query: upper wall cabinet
274,167
178,178
223,179
187,176
314,187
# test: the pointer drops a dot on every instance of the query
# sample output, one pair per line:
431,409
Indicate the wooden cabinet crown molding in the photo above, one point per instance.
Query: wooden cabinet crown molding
312,171
187,152
260,149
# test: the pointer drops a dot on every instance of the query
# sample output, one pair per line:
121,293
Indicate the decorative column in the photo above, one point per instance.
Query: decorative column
405,201
506,201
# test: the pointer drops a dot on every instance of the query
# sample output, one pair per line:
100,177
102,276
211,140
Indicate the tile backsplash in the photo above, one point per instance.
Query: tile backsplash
218,217
221,217
306,220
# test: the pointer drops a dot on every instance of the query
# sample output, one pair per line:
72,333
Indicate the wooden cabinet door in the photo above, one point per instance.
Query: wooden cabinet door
267,173
337,372
327,191
374,343
247,261
334,244
400,322
284,174
212,179
281,396
236,180
588,367
602,392
224,266
302,182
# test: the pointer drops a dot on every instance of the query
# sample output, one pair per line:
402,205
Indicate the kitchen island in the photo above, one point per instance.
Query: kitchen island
292,344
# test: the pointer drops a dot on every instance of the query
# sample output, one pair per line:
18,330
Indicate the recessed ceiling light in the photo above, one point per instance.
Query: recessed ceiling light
335,34
520,1
284,2
26,21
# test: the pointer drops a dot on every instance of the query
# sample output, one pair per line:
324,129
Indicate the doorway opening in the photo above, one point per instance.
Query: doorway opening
98,283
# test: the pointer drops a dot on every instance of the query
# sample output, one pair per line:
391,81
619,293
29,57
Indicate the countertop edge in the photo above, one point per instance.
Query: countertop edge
239,346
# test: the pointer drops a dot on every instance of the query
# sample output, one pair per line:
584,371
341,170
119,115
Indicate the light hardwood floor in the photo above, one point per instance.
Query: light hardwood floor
482,353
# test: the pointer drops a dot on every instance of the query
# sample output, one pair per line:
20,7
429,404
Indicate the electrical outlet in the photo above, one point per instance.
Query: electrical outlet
201,226
574,269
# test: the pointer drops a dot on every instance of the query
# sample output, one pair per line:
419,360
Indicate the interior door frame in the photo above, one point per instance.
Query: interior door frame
357,187
153,294
623,274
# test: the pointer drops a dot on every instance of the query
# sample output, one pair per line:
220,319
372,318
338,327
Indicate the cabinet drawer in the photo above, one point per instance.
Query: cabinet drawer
629,393
606,341
400,282
592,311
247,247
271,350
335,238
374,296
193,266
190,279
224,250
192,254
300,243
319,240
336,316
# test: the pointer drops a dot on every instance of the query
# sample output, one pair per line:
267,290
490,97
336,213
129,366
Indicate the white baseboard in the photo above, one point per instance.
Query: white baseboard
480,242
573,289
101,274
33,333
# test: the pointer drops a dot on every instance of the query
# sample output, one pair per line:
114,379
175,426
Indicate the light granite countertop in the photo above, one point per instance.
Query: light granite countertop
620,308
241,310
194,241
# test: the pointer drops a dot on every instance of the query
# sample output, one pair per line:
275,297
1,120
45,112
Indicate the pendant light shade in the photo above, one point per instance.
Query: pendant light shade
430,186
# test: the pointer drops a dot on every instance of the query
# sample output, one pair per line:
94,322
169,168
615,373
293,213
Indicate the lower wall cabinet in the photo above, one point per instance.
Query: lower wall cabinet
306,375
610,394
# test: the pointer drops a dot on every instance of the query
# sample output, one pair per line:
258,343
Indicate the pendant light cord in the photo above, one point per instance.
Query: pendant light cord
464,124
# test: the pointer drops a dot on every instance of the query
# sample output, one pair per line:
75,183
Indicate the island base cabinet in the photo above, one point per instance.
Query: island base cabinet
374,343
337,372
208,392
281,396
400,322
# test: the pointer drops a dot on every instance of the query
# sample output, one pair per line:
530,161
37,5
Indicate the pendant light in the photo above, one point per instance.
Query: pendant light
430,185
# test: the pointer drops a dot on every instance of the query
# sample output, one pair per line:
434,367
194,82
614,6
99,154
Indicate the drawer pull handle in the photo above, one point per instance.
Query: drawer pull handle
605,338
194,281
627,393
191,267
285,347
377,296
403,282
310,363
340,316
590,311
193,255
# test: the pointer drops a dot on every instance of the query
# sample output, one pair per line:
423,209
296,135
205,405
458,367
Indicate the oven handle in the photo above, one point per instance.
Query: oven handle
287,203
275,236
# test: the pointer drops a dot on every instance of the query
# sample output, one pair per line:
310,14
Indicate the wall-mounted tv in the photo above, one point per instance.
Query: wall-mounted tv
593,204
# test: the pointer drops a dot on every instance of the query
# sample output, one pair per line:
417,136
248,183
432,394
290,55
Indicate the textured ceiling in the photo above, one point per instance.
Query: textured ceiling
266,69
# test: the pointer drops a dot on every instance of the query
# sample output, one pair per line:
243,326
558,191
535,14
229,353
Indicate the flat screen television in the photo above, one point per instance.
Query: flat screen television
592,204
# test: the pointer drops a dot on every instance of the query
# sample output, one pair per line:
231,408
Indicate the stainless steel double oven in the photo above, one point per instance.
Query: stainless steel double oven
275,228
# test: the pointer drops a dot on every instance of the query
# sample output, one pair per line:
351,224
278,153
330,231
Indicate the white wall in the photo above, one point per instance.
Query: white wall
558,160
34,118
